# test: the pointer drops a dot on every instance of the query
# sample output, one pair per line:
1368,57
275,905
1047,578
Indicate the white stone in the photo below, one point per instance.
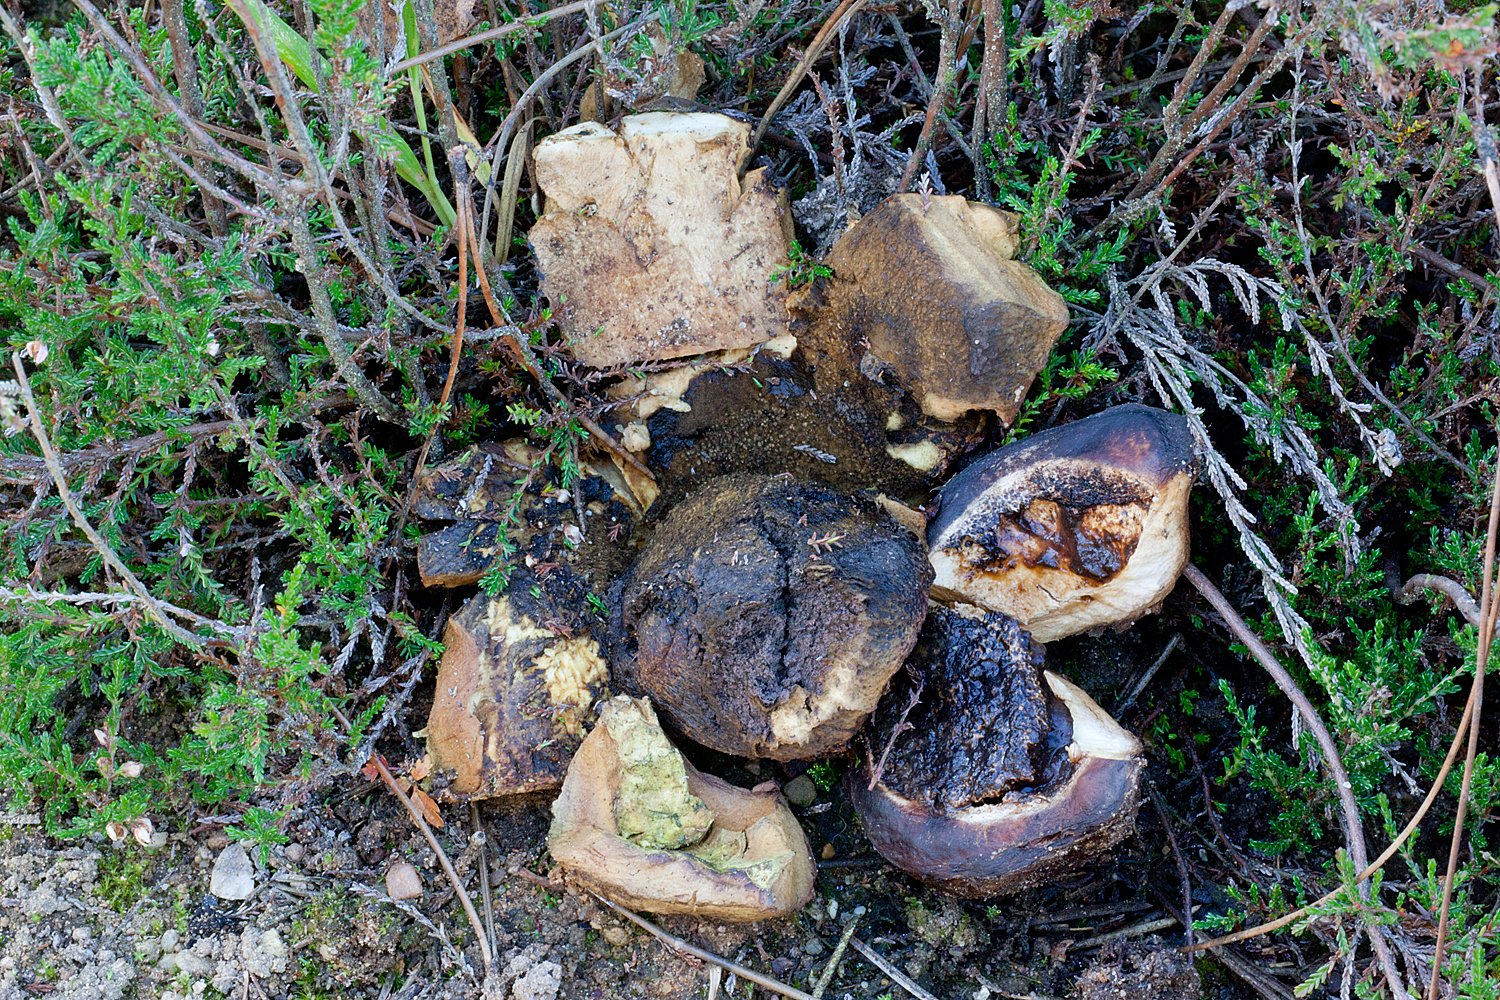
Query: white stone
233,876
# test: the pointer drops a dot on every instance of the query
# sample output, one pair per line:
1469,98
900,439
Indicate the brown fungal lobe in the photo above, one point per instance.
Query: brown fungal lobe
979,326
765,615
512,697
1076,527
1009,775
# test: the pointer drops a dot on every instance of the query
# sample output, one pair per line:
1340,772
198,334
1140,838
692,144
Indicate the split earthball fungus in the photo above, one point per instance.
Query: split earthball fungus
1074,528
984,774
512,697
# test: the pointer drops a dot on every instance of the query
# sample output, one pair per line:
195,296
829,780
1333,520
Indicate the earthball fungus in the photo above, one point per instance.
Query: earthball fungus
637,823
765,615
980,328
652,246
513,693
985,774
1073,528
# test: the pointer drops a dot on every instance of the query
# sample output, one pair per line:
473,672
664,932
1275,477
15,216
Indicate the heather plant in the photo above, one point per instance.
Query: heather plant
229,272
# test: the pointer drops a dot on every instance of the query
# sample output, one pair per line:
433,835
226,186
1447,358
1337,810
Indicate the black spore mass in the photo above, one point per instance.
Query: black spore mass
984,727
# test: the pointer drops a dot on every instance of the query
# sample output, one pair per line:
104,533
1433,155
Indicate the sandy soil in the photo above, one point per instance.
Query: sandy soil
107,921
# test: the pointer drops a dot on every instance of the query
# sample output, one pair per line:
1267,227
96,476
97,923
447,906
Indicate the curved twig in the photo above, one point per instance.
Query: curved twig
1411,591
1353,829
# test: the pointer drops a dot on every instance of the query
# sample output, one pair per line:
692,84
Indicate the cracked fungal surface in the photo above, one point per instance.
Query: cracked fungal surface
986,774
984,725
765,615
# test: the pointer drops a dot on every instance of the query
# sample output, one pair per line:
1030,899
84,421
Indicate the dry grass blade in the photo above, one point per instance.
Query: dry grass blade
1489,601
809,57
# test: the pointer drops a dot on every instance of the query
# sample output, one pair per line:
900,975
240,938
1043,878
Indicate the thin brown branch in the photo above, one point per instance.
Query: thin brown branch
1182,870
810,56
113,561
1411,592
437,848
1353,829
948,24
679,945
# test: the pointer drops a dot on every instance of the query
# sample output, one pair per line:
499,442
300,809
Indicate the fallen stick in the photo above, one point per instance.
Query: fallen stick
679,945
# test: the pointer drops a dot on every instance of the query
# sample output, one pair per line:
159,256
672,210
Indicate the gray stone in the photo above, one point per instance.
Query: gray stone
233,876
194,964
262,953
541,982
402,881
800,791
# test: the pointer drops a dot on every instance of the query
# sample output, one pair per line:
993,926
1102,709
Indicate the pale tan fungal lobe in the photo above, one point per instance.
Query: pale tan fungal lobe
637,823
651,246
1074,528
511,700
928,284
1008,777
765,615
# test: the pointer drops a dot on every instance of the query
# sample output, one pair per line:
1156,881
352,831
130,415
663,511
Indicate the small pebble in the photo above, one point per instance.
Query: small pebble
403,882
169,940
233,877
617,936
800,791
328,952
812,947
295,852
828,852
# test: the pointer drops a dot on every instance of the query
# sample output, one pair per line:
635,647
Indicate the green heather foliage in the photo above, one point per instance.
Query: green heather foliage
234,292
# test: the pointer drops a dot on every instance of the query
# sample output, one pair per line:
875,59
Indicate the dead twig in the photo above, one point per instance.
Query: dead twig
1411,591
1354,832
458,45
1182,871
898,977
950,22
677,944
437,848
900,727
1134,930
60,480
1353,829
845,9
833,962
